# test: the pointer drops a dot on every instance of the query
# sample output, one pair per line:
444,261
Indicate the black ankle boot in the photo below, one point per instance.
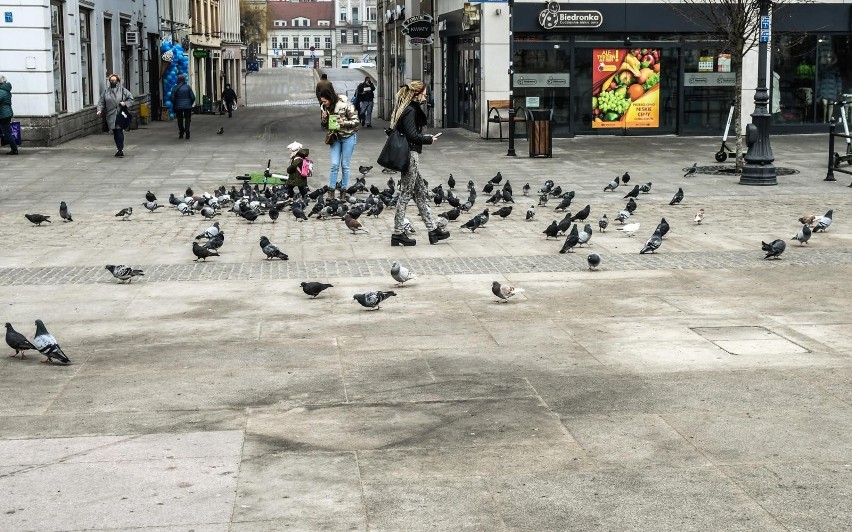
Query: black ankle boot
436,235
402,240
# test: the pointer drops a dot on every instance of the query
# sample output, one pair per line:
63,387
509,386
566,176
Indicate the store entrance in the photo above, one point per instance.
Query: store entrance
464,109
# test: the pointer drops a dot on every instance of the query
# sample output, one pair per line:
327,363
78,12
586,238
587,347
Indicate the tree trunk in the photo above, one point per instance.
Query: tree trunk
738,108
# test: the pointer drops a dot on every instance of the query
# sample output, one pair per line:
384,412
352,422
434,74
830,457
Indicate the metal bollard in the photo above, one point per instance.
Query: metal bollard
830,175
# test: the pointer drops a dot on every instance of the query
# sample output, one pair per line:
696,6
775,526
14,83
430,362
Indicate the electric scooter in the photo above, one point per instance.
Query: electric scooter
846,100
725,151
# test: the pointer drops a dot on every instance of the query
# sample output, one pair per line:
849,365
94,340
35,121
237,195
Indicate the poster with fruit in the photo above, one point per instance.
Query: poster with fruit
626,87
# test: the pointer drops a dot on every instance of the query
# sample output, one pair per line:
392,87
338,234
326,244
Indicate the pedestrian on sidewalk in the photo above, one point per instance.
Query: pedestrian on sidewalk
323,84
340,120
365,93
230,98
408,118
6,115
295,177
183,98
112,98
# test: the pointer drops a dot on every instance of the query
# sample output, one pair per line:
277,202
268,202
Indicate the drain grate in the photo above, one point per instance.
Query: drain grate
749,340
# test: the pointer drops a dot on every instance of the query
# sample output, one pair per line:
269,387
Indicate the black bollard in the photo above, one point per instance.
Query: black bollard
830,175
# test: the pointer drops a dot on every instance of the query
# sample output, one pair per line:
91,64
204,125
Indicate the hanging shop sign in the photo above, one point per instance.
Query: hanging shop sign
552,17
626,87
545,81
709,79
418,29
200,53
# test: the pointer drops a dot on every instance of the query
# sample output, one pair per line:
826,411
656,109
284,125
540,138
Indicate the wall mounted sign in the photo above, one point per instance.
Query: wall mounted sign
418,29
544,81
626,87
552,17
199,53
709,79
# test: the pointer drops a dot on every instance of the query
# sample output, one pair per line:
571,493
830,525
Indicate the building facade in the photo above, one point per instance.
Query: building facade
233,50
300,34
205,43
356,31
568,57
58,54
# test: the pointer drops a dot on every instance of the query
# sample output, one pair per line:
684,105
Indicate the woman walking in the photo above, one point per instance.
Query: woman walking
340,119
6,115
408,118
111,99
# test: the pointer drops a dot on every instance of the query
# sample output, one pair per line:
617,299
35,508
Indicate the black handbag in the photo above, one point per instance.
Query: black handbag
122,118
396,152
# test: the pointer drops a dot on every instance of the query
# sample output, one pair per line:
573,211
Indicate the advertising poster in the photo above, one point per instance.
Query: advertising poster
626,87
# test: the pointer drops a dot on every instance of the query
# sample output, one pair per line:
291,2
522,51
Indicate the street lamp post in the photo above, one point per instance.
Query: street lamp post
759,169
511,152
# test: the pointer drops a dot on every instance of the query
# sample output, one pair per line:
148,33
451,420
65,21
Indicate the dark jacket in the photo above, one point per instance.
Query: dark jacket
182,97
411,125
365,92
6,100
294,176
229,95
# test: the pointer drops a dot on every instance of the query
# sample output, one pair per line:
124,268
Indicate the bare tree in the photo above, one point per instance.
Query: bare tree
253,22
736,25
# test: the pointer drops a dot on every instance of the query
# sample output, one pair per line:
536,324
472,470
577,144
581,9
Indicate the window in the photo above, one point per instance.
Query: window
373,37
342,16
328,43
356,38
57,34
86,55
355,15
371,12
296,43
274,43
306,41
126,54
343,37
285,42
324,23
317,42
281,23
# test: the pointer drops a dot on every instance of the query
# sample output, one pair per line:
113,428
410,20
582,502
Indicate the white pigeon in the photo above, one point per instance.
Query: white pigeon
699,216
401,274
585,235
630,229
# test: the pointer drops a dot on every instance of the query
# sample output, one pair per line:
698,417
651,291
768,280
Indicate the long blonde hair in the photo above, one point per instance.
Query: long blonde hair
404,96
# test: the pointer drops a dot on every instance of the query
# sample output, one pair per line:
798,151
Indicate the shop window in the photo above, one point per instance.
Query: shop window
57,31
709,86
86,56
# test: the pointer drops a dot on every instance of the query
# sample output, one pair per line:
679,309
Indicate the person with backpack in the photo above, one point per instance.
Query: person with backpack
300,169
112,99
182,101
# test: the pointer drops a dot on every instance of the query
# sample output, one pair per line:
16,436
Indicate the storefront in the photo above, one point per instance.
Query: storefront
640,69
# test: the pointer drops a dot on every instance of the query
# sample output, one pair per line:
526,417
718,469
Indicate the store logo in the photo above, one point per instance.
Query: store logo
418,29
554,18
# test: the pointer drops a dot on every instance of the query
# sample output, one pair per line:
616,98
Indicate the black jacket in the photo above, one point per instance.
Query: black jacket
229,95
411,125
365,95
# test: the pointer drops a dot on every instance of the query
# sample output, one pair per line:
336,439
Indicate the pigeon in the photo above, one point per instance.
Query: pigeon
188,193
613,184
571,240
503,212
530,213
821,224
807,219
699,216
273,214
631,206
594,260
633,193
526,189
451,182
353,224
582,214
364,169
495,198
552,230
202,252
271,250
373,299
564,204
47,344
64,213
488,188
210,232
401,274
452,214
209,212
38,219
631,229
603,223
622,216
662,227
473,224
548,185
773,249
507,195
496,179
221,131
542,200
313,289
151,205
564,224
691,170
17,341
250,215
173,201
803,235
123,273
299,213
216,242
185,209
646,188
625,178
678,197
125,213
585,235
149,196
653,243
556,192
504,291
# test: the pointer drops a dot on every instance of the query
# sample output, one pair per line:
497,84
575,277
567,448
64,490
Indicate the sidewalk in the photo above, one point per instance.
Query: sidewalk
697,388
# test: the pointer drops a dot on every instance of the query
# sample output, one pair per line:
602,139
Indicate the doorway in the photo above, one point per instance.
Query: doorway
465,110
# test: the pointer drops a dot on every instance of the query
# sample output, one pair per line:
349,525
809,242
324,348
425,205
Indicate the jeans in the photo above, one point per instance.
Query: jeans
184,117
6,132
341,155
118,136
367,112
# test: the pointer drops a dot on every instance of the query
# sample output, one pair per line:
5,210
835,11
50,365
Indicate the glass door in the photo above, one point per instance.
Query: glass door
466,85
542,81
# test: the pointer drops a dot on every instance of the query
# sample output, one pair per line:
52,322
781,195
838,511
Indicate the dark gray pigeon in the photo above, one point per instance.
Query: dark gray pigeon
631,206
582,214
202,252
564,204
149,196
613,184
271,250
216,242
678,197
594,260
17,341
123,273
646,188
803,235
551,230
64,213
372,299
773,249
571,240
38,219
633,193
313,289
662,227
653,243
125,213
691,170
47,344
504,291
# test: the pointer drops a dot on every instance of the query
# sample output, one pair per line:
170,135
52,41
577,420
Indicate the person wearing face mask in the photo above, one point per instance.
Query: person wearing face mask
408,118
111,99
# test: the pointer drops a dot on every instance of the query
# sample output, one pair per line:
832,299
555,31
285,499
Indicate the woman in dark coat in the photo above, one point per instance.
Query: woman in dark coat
408,117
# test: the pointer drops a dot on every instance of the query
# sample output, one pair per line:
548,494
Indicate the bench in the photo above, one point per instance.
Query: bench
498,113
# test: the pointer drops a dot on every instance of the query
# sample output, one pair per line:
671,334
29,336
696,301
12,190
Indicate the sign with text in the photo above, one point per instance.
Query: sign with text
418,29
626,87
709,79
546,81
553,17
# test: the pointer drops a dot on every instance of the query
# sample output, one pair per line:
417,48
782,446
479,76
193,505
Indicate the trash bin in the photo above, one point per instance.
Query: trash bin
540,132
206,105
